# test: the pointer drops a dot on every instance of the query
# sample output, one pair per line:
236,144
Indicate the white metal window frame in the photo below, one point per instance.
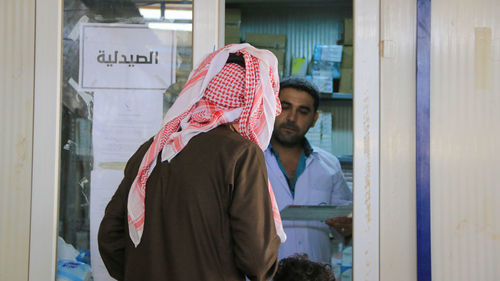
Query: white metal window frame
208,30
46,140
366,169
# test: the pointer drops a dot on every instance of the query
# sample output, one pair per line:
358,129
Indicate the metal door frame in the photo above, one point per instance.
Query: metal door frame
208,30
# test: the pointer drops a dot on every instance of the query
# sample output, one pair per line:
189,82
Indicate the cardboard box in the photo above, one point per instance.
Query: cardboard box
232,30
347,57
231,40
280,55
299,67
346,80
348,31
232,34
233,16
266,40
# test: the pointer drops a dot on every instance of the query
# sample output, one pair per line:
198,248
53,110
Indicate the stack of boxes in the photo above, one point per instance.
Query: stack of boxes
346,67
276,43
326,66
232,27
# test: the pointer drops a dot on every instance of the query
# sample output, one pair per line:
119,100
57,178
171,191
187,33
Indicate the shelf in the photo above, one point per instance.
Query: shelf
336,96
345,159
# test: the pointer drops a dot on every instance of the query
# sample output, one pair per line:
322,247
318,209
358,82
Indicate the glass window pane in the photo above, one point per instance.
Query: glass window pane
124,63
312,40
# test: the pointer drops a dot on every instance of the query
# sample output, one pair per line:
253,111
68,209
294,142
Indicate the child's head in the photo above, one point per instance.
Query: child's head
300,268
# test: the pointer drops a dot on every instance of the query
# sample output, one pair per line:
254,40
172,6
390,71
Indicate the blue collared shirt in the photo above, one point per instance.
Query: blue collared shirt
300,167
321,182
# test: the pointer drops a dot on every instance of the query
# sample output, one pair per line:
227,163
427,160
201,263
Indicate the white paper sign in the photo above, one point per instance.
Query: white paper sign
126,56
123,120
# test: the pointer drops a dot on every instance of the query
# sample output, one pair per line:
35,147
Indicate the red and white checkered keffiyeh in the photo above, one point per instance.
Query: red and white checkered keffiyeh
215,93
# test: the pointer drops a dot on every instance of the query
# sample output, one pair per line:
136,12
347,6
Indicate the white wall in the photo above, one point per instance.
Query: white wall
17,37
465,140
398,256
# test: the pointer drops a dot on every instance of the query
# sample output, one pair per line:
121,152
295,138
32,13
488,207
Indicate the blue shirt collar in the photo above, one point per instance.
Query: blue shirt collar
300,168
308,149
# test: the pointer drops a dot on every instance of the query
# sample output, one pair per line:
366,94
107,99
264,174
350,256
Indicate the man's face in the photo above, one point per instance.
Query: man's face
296,117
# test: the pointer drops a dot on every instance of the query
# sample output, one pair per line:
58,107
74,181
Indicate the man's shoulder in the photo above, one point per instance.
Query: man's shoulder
224,135
325,156
323,153
267,152
223,138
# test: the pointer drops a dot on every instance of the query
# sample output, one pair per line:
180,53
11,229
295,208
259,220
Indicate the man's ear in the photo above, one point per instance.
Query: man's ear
316,116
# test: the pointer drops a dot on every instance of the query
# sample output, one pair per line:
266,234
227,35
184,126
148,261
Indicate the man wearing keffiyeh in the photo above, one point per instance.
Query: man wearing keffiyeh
195,202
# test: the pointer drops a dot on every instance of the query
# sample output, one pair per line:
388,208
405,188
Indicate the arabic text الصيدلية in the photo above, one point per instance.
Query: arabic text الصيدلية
139,59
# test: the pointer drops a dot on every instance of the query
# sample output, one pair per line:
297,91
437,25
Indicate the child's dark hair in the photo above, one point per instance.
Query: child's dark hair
300,268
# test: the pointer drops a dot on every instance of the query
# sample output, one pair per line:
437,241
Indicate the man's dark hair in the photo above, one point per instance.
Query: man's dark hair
302,84
300,268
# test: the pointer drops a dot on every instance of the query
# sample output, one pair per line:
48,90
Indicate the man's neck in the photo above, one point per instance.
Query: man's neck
289,156
287,151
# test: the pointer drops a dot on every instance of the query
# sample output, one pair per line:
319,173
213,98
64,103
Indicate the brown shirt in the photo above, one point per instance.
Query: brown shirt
208,215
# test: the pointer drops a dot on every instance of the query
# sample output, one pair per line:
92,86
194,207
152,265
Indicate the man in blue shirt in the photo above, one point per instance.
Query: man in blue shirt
301,174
